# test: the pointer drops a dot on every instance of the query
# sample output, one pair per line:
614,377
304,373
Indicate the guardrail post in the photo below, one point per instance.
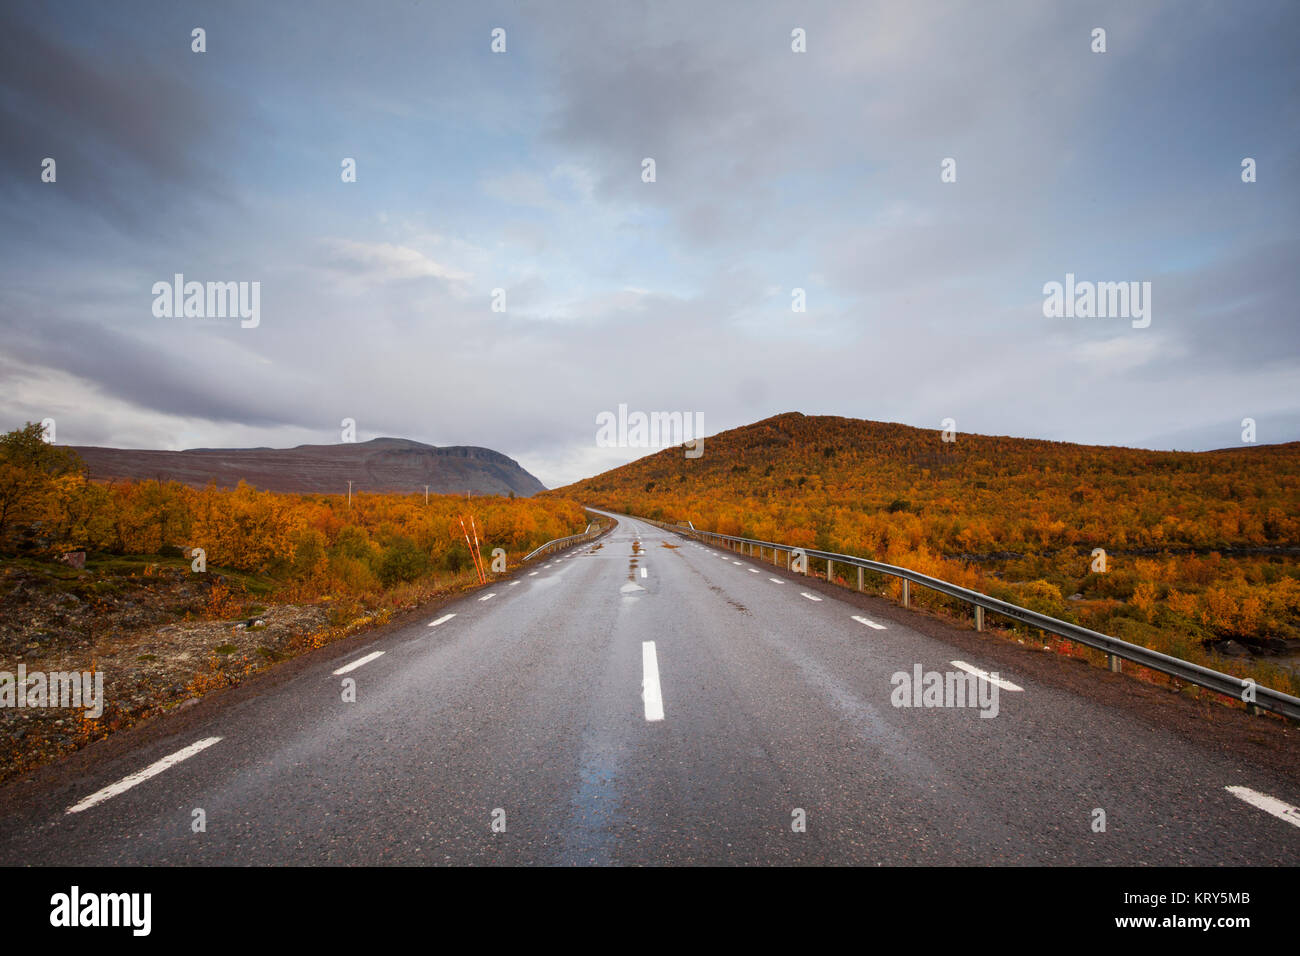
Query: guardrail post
907,593
787,560
1253,710
979,618
829,566
1113,663
859,578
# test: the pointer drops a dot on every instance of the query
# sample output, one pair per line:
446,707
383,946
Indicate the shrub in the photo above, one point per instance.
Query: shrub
402,561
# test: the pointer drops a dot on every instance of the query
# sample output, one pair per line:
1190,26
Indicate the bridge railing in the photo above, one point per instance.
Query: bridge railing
1255,695
593,531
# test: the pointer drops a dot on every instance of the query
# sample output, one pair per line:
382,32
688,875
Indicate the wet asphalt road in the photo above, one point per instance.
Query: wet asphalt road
526,711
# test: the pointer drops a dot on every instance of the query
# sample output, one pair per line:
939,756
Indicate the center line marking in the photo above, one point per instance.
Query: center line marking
1279,809
869,623
650,692
490,594
811,597
140,776
985,675
358,662
442,620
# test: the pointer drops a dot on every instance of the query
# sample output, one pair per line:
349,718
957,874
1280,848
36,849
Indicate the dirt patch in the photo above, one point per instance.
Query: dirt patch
148,634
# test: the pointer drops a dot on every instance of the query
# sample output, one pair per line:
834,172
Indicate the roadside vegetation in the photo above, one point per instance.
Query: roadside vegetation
172,591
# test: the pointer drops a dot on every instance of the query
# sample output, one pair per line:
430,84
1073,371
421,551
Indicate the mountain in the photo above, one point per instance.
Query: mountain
382,464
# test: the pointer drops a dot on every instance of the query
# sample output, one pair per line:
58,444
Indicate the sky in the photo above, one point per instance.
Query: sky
523,171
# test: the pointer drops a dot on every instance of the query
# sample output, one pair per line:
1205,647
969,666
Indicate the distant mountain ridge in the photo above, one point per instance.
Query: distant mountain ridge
381,464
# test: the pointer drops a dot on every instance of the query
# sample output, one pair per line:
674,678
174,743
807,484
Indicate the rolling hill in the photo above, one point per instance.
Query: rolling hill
819,476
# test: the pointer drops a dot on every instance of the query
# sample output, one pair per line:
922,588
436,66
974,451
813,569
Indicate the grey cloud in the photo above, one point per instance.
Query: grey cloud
130,137
775,170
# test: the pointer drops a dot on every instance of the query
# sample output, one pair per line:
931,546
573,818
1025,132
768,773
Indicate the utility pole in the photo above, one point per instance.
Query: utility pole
349,494
426,494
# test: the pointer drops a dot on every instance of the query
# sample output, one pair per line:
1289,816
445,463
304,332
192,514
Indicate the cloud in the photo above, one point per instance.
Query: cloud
378,262
522,171
126,141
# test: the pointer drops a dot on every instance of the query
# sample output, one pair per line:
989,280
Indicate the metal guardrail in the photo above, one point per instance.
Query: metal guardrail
1114,648
560,543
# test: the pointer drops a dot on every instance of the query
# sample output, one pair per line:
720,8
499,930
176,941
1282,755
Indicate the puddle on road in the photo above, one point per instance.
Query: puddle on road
595,809
632,565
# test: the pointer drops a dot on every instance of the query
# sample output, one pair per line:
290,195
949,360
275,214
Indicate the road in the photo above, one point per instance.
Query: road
529,728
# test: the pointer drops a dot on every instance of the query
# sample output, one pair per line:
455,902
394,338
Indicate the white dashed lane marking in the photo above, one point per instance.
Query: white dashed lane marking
868,622
140,776
442,620
1278,808
650,691
985,675
811,597
358,663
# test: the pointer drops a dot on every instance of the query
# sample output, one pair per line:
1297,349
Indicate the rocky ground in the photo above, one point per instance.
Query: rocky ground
160,635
